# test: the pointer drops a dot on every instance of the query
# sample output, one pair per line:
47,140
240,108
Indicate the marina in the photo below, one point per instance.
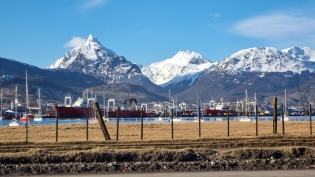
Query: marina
44,121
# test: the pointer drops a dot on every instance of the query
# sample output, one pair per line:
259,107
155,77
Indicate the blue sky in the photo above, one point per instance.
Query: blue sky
39,32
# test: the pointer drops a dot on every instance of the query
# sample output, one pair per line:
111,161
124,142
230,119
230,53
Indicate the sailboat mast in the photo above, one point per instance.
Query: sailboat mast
15,101
27,103
1,102
245,102
255,106
169,98
285,101
104,105
39,104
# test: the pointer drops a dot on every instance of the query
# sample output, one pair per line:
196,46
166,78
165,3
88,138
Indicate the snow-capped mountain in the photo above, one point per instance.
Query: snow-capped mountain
304,54
184,66
93,59
265,70
301,53
261,59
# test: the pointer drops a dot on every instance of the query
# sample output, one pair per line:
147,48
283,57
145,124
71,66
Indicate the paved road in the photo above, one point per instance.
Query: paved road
275,173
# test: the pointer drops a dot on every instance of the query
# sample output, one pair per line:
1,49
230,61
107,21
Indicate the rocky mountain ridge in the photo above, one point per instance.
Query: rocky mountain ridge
91,58
261,59
265,71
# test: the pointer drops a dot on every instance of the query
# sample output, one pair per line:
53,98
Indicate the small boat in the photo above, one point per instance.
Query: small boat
14,123
38,118
175,119
245,119
285,117
93,121
196,119
24,118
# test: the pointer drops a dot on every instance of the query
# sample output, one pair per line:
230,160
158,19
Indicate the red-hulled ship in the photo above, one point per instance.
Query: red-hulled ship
218,110
125,113
70,112
79,109
76,110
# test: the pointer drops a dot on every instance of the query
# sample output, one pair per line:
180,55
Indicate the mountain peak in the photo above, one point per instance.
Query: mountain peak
185,65
260,59
183,58
301,53
91,38
90,49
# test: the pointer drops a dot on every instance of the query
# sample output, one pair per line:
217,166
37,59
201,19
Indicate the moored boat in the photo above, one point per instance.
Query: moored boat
245,119
70,112
25,117
218,109
14,123
76,110
38,118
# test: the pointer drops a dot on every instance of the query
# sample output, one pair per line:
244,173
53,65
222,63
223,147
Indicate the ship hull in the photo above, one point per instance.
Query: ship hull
124,113
78,112
216,112
70,112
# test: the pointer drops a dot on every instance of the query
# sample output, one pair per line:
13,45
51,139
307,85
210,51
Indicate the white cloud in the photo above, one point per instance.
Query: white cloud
276,26
93,3
215,15
75,41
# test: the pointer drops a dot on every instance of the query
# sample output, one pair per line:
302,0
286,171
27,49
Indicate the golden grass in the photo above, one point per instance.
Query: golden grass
151,131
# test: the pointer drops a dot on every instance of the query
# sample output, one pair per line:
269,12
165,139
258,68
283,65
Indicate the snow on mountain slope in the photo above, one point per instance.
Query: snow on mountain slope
260,59
184,65
301,53
92,58
91,49
304,54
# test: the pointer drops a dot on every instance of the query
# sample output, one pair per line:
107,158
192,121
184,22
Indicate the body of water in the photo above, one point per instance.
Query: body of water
5,122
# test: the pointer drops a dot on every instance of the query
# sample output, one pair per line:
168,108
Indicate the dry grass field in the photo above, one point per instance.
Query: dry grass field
213,150
151,131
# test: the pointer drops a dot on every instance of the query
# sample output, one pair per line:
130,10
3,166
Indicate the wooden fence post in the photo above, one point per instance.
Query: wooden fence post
142,112
101,121
199,121
117,129
256,113
275,115
228,120
87,123
172,123
282,114
57,119
310,112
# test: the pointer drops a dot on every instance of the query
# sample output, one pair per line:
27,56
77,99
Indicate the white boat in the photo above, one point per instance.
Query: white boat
245,118
93,121
196,119
39,117
14,123
159,119
286,116
175,119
